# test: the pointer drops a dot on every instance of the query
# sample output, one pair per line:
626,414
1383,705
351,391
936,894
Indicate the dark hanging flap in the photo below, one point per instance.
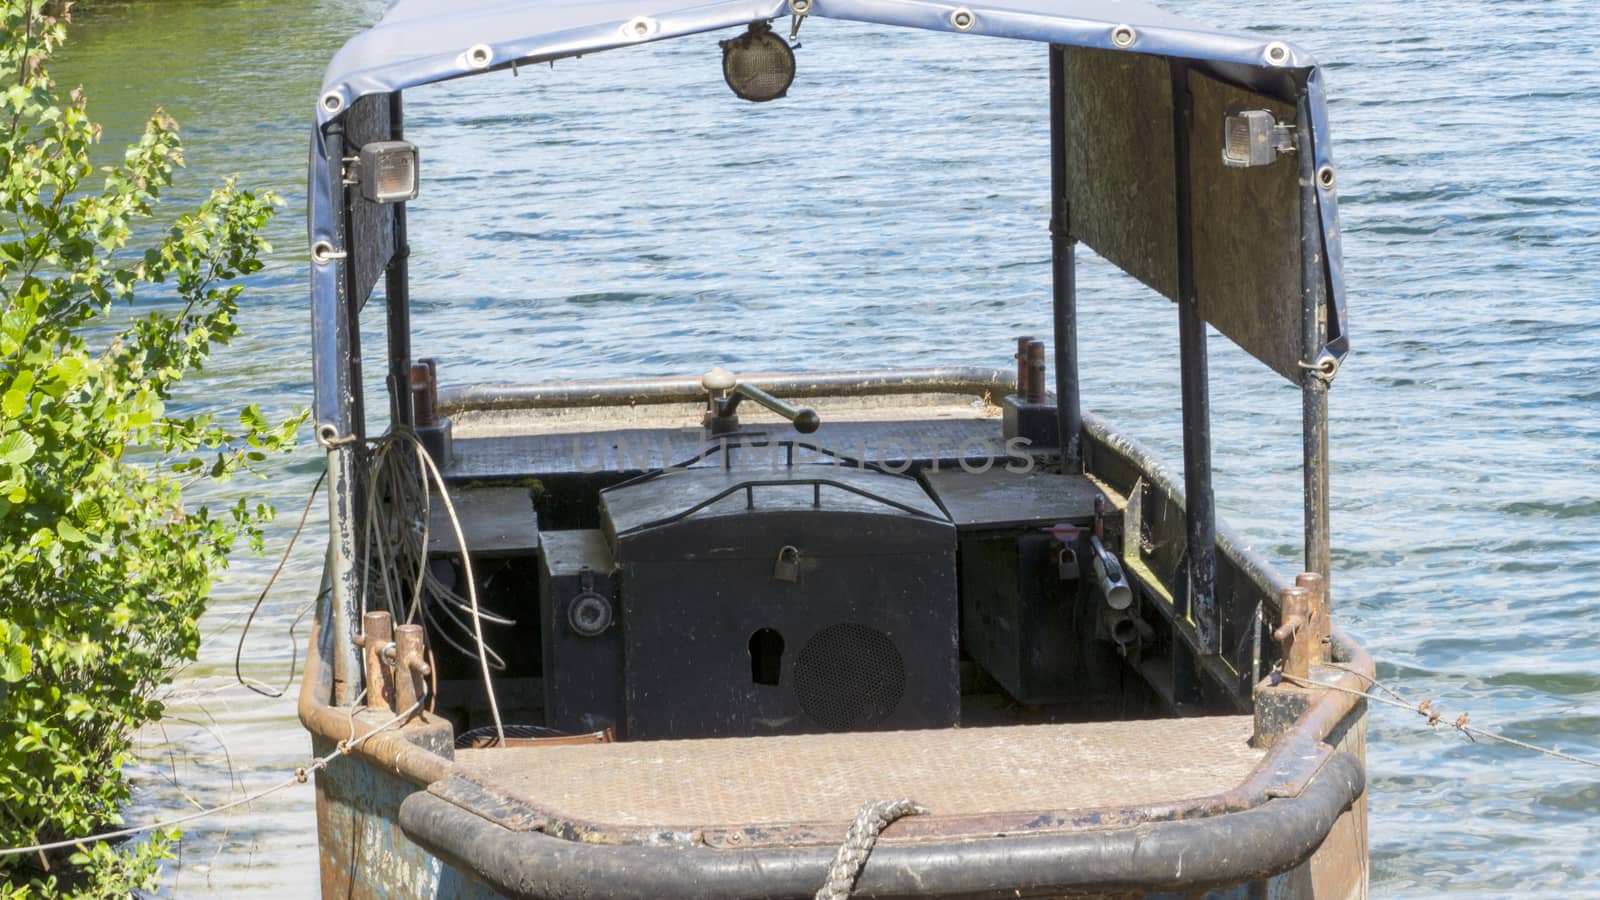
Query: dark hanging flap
371,233
1246,233
1119,188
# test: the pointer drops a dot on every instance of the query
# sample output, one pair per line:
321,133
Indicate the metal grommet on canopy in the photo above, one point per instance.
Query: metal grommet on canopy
322,253
640,27
480,55
328,436
332,102
799,7
1277,53
1325,368
1325,178
962,19
1124,35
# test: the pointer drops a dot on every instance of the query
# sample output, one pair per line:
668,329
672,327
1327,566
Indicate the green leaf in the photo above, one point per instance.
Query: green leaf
252,417
16,664
16,448
90,513
69,532
13,403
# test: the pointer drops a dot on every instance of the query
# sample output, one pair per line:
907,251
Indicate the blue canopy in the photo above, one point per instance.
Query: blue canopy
422,41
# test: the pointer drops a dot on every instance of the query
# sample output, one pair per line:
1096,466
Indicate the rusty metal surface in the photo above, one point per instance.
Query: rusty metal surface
363,853
815,783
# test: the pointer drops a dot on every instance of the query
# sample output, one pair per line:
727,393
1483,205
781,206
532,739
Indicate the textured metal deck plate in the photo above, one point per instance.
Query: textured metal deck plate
1042,775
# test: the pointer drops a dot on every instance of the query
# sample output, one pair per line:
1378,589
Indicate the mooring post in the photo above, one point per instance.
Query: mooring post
1199,503
1064,275
410,667
1320,635
377,645
1295,632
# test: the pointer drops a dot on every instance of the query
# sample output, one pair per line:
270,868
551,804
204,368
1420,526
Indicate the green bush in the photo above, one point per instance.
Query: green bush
104,568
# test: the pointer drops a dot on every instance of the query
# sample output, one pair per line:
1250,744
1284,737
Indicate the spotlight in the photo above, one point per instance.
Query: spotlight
758,65
388,171
1253,137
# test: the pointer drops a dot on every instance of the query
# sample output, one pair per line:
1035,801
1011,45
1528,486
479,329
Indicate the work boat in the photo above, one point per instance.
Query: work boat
933,631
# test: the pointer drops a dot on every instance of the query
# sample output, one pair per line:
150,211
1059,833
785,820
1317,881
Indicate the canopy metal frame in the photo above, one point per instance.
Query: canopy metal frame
1247,60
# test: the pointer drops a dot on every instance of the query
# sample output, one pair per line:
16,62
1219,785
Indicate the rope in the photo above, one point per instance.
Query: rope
261,688
1426,710
405,531
874,817
472,588
299,777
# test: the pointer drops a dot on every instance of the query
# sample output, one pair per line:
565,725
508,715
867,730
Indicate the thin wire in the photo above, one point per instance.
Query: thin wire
1425,709
294,645
472,588
298,777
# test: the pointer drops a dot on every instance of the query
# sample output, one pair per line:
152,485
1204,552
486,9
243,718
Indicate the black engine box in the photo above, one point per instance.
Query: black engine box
814,598
582,637
1022,589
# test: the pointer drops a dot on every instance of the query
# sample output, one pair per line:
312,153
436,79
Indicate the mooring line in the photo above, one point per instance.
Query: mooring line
299,777
259,687
1426,710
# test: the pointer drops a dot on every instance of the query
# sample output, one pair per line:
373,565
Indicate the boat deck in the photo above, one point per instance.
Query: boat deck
805,788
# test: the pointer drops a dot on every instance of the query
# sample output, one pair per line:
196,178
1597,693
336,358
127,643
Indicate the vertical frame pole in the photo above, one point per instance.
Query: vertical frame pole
1063,275
1314,389
344,454
397,294
1199,504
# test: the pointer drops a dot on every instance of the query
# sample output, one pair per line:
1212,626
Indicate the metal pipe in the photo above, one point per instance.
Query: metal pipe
340,434
1108,577
397,289
1199,505
974,381
1314,390
1063,274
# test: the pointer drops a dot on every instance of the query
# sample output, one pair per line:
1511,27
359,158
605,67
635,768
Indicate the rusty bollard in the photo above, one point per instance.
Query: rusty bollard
1036,385
377,645
423,410
1023,375
410,667
1321,634
1294,632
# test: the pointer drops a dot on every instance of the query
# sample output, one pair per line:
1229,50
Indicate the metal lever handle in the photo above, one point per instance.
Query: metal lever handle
804,418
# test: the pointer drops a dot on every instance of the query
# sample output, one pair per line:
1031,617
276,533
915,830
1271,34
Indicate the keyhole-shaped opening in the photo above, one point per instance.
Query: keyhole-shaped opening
766,656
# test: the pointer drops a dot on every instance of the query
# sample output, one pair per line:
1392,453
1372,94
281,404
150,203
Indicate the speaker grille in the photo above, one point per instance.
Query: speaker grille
849,676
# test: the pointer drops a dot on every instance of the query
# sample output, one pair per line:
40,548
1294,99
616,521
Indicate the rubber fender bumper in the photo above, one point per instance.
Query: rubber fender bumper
1224,849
